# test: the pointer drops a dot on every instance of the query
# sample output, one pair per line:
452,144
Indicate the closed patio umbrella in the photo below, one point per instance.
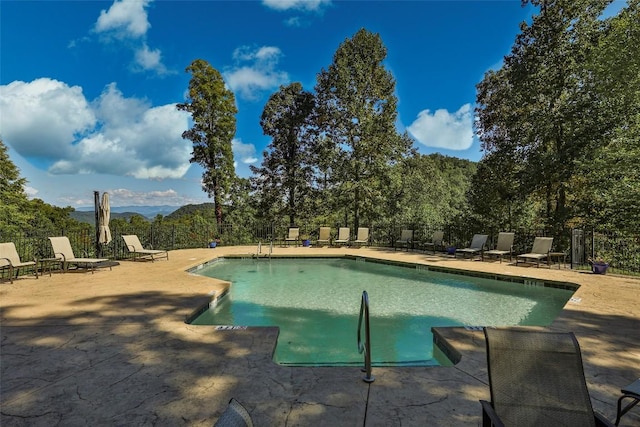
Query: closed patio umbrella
105,214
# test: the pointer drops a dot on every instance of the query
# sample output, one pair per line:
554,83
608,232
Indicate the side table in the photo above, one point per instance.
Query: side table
46,264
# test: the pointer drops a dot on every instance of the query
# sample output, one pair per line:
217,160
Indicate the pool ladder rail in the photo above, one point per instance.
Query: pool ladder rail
259,250
366,345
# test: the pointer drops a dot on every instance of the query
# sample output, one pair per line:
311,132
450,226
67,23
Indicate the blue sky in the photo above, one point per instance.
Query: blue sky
88,88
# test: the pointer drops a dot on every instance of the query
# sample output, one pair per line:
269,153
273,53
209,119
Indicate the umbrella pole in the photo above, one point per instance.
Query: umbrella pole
96,205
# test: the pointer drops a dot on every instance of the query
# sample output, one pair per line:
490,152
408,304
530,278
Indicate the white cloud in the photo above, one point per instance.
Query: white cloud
169,197
307,5
245,153
40,118
259,75
124,19
149,59
53,123
453,131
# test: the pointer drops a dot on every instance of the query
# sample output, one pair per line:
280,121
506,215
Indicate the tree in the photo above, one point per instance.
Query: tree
539,109
212,107
15,213
357,114
287,168
609,183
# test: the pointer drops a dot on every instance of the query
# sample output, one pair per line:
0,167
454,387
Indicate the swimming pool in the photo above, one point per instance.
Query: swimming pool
316,304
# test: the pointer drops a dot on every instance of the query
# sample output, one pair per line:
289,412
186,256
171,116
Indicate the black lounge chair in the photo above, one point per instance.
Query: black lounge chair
536,378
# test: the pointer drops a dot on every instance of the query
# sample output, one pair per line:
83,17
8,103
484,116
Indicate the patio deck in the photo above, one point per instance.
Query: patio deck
112,348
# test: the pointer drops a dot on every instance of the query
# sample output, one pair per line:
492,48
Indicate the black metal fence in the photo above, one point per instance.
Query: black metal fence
622,252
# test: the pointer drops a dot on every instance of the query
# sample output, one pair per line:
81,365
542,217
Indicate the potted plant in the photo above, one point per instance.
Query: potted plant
305,240
599,266
214,242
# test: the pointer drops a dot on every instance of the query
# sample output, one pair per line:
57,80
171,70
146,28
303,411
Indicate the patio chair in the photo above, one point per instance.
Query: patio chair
139,252
437,241
632,391
324,236
234,416
62,249
504,246
477,245
541,250
536,378
405,240
10,260
362,237
293,236
343,236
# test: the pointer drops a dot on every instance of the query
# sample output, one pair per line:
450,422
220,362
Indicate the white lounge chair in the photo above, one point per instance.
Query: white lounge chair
476,247
10,260
504,246
540,250
406,239
437,241
62,249
293,236
139,252
324,236
363,236
343,236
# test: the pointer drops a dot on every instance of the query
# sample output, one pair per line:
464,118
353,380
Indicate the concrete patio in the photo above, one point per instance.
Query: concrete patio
113,348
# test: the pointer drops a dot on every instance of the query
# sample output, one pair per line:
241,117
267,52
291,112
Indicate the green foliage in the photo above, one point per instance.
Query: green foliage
429,189
609,180
213,109
356,116
283,182
15,214
539,116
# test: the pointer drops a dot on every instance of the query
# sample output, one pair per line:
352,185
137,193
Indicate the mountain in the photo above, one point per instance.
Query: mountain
146,211
90,218
87,214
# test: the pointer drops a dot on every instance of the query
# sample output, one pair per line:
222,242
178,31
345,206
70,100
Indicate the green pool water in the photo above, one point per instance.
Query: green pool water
316,304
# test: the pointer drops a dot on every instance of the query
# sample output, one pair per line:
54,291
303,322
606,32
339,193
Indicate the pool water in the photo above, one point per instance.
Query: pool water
316,304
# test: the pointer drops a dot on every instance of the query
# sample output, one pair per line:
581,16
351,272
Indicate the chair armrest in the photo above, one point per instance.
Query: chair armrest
489,416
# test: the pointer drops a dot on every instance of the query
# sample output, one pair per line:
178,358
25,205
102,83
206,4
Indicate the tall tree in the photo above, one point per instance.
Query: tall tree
213,109
610,176
357,114
538,110
286,168
15,213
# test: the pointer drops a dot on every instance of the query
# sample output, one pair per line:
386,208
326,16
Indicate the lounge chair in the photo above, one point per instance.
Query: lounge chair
62,249
405,240
536,378
235,415
437,241
504,246
10,260
343,236
540,250
293,236
135,248
324,236
363,236
477,245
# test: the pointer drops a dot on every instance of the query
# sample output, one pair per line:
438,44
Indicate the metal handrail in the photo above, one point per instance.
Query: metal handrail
366,346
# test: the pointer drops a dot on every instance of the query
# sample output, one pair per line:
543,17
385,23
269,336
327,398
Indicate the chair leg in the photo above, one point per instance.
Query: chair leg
621,411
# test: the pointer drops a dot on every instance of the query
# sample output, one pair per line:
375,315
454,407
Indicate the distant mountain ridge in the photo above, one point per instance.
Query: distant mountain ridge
87,214
146,211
